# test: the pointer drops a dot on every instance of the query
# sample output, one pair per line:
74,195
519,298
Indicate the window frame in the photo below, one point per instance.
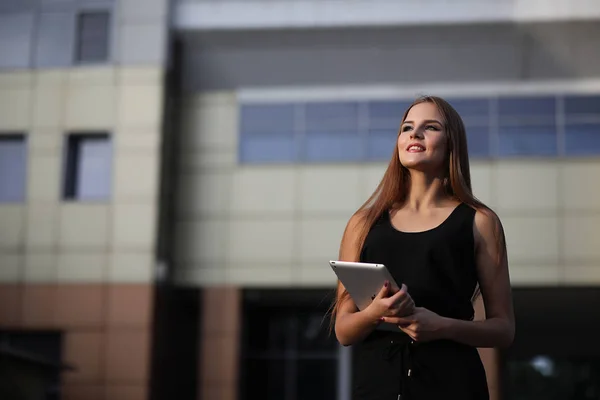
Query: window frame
71,165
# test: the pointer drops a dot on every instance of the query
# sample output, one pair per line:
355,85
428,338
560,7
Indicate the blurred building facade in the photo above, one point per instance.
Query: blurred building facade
81,99
176,175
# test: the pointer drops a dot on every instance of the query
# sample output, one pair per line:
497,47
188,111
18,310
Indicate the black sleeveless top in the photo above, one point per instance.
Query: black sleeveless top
438,266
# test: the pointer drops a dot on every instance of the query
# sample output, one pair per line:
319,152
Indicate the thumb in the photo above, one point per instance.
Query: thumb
384,290
403,289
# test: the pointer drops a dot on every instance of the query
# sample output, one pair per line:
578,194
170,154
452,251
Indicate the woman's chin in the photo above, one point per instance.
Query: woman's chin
415,164
420,165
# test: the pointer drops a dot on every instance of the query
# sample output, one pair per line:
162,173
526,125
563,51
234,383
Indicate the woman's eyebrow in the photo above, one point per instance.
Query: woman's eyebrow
426,121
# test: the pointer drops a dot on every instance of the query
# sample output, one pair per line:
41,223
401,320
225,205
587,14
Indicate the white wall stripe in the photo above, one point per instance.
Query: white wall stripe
395,91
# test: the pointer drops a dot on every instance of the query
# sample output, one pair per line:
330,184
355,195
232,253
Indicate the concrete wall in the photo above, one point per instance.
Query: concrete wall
54,241
417,55
253,14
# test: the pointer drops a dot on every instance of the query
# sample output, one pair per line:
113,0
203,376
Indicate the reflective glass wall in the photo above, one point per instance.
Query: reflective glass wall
363,131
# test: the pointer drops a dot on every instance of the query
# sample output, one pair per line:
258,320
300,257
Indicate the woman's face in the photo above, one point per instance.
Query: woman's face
422,143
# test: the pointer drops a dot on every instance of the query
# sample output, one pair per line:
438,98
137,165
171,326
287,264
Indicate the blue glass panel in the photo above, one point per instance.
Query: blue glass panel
386,124
13,168
528,141
330,147
380,144
479,107
388,109
267,118
267,149
478,140
93,37
582,139
588,104
16,31
94,173
526,106
329,116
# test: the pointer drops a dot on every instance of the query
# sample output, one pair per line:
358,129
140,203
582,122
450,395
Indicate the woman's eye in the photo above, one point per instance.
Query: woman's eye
406,128
432,127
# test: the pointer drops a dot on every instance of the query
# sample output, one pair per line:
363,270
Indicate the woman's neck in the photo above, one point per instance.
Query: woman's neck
425,191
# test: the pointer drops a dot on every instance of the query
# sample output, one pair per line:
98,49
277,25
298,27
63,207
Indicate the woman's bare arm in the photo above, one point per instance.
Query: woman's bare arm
352,325
498,328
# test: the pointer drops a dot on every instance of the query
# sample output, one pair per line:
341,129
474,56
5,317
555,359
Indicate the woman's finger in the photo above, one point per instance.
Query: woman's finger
398,320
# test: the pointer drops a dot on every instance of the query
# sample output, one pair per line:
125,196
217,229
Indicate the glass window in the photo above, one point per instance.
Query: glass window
474,112
54,44
331,116
265,377
527,126
333,146
87,172
317,379
582,105
526,106
381,144
16,31
478,140
267,118
331,132
474,107
268,134
528,141
93,37
535,367
268,149
310,333
386,114
388,109
544,377
16,6
287,352
43,345
13,168
582,139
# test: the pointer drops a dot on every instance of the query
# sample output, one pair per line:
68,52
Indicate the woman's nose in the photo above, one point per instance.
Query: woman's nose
416,133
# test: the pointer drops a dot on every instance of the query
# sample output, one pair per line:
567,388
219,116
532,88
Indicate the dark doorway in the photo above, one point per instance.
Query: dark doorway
556,353
287,352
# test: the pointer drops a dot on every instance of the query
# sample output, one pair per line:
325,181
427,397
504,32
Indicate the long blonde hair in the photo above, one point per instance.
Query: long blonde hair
393,188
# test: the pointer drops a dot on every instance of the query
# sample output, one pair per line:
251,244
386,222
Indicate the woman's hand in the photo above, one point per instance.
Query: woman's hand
395,305
422,326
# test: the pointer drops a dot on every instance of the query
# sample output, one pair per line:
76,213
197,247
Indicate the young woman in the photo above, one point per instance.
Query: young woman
445,247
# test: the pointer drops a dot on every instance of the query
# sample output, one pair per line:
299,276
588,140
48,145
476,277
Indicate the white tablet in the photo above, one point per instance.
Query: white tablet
363,281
